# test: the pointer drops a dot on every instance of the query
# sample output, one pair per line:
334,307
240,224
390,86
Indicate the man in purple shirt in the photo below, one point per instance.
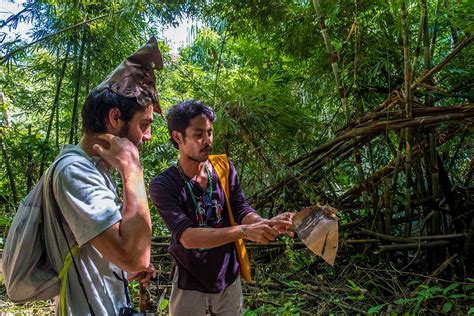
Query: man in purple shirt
190,198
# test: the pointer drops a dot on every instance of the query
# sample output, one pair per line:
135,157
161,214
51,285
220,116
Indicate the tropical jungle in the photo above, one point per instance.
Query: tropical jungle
366,106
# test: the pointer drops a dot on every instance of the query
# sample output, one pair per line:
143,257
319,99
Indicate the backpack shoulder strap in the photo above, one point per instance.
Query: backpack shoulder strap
222,167
49,193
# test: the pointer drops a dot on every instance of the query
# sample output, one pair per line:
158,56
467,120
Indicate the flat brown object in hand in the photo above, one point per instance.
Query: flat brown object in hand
317,227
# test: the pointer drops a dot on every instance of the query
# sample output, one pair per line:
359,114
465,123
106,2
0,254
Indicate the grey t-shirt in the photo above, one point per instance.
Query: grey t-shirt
89,204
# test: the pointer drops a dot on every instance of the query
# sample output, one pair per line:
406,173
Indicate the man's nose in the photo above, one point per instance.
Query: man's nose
207,139
147,135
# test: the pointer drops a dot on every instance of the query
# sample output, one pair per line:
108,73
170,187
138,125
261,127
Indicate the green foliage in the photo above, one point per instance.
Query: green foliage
376,309
360,292
425,297
263,66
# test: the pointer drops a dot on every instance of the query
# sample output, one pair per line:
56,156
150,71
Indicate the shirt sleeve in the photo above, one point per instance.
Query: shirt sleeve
88,205
239,205
166,199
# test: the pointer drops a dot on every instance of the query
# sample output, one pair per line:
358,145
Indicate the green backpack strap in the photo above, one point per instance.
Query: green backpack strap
63,277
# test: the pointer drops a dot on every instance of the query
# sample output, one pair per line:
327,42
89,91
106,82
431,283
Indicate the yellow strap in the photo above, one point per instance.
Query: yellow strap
222,167
63,277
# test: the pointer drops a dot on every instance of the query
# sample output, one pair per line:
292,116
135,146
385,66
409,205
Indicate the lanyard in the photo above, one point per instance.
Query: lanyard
199,214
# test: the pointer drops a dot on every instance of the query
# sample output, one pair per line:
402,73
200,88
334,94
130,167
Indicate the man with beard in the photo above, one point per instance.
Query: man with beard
192,201
113,233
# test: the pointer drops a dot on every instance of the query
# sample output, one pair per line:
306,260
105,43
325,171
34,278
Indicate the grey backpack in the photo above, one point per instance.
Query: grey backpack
28,272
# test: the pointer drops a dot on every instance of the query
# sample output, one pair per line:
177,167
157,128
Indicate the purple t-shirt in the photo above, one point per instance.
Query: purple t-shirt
204,270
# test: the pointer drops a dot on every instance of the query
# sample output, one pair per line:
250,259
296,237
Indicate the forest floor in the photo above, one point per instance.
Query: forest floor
291,281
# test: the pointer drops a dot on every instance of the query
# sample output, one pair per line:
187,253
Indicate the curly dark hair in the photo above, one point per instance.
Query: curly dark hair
97,106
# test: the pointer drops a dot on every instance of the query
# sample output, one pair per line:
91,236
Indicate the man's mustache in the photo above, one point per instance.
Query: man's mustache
207,148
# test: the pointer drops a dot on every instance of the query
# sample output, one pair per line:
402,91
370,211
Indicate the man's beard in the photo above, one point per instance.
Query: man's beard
124,132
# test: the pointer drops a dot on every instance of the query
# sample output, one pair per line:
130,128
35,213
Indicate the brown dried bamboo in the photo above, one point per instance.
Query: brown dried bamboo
461,114
414,246
385,171
391,238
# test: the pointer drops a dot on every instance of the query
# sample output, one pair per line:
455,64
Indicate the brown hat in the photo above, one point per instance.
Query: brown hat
134,77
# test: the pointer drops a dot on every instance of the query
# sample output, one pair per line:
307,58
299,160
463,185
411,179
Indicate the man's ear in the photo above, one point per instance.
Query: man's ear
177,137
114,117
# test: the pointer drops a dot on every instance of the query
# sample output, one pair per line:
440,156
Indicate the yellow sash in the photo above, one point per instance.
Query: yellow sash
221,165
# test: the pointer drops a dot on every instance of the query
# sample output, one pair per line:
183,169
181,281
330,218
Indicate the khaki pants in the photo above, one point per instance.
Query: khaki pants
187,302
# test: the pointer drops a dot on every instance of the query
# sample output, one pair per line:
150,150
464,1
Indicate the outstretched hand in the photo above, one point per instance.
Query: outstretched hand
261,232
284,223
268,229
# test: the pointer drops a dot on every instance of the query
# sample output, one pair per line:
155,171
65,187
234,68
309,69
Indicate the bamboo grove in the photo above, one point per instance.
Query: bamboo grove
365,105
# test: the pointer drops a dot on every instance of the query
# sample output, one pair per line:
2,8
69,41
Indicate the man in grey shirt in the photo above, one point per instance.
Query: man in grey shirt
113,232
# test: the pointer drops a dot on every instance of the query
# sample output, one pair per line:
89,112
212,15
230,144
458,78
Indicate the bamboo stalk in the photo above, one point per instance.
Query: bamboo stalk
456,151
416,54
54,107
469,243
395,179
443,63
429,103
408,110
388,169
247,245
435,28
79,63
11,175
29,170
342,94
441,268
462,115
414,246
412,239
333,58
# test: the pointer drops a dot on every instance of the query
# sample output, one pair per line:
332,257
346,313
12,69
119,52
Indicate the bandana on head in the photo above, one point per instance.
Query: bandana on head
134,77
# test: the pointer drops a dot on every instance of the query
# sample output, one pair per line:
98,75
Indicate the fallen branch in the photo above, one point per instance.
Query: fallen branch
441,268
423,245
412,239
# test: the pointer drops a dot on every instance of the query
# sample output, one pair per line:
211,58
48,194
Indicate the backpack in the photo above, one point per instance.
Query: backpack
28,272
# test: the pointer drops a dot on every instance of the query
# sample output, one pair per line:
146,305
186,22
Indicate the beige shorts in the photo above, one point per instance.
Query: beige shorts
187,302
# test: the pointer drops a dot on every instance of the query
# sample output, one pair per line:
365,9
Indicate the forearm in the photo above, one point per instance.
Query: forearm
252,218
194,238
135,227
